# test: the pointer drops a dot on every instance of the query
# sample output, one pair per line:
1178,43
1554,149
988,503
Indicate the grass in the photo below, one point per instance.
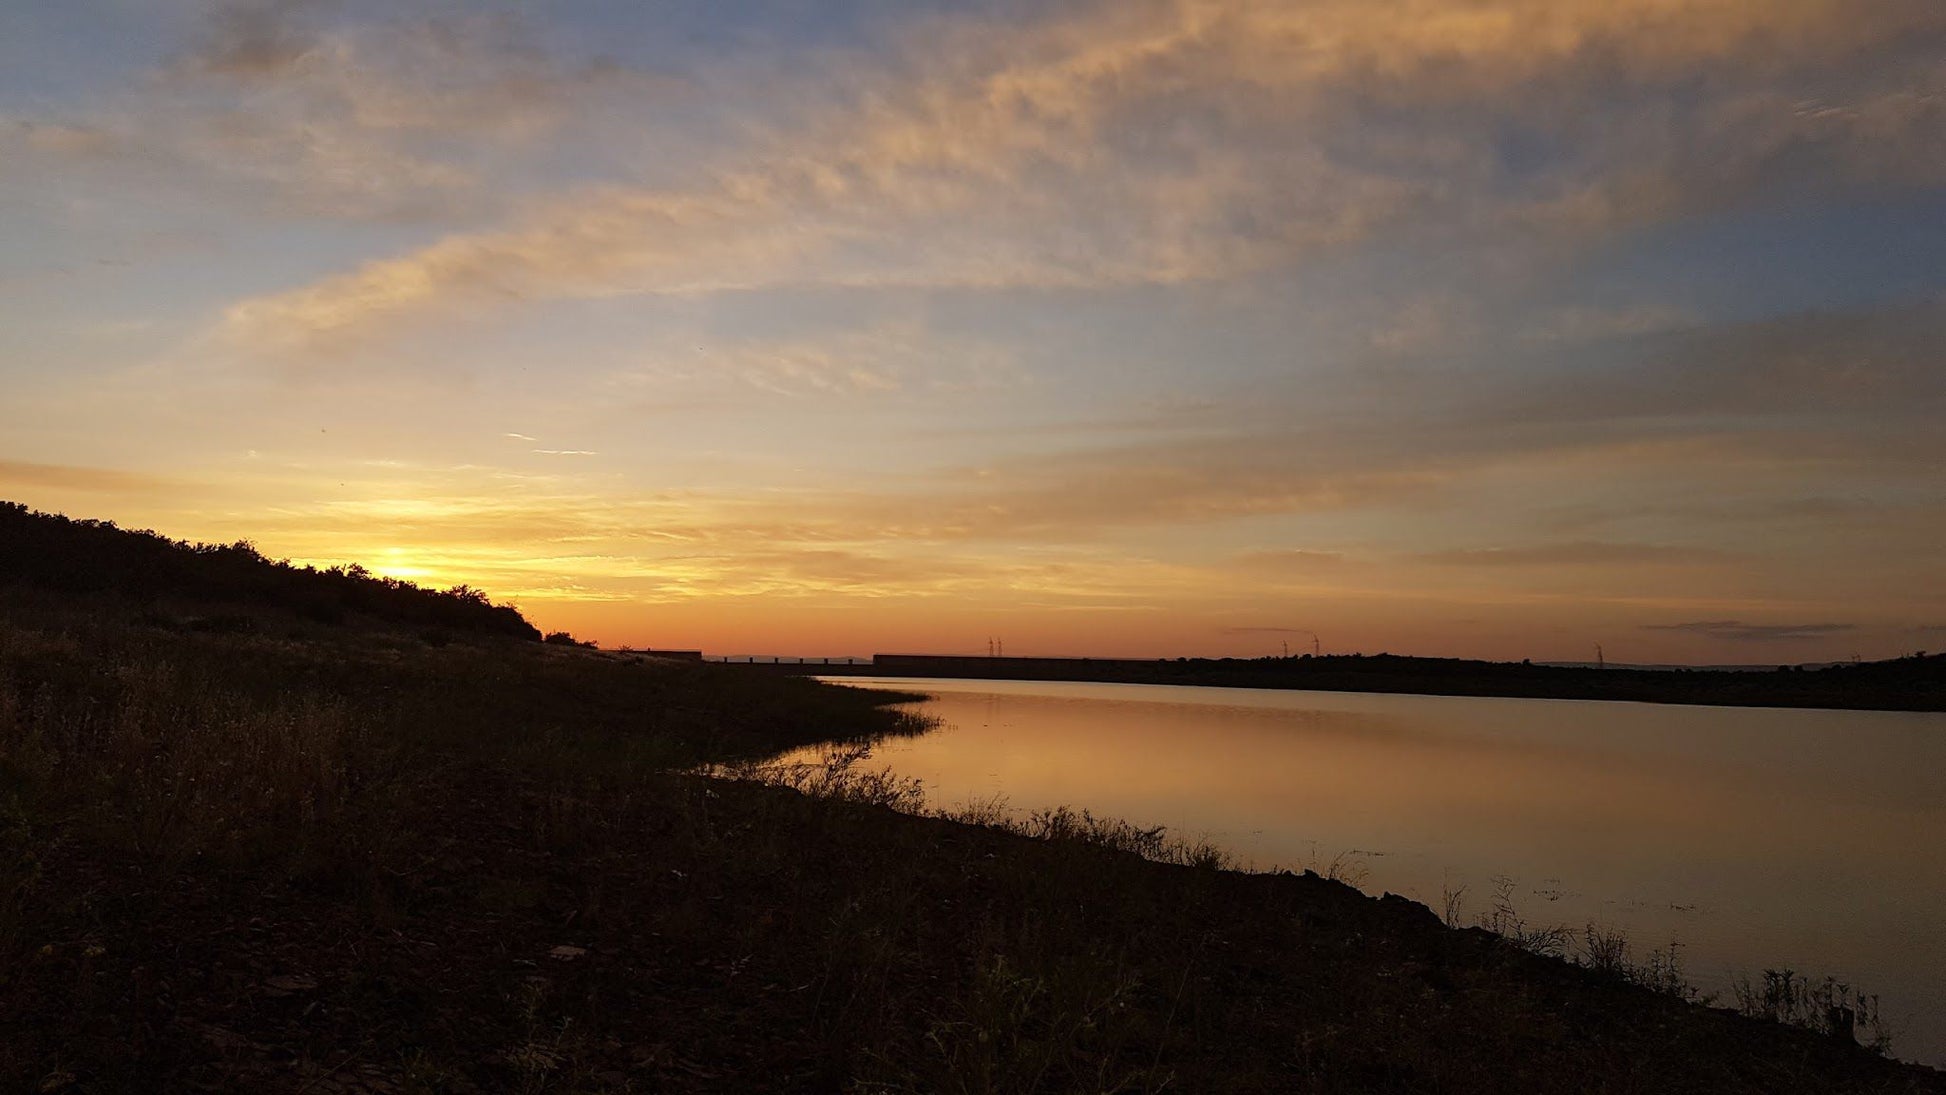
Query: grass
1828,1006
838,774
295,858
1608,952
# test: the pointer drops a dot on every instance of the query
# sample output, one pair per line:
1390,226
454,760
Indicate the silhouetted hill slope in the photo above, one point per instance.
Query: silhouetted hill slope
62,555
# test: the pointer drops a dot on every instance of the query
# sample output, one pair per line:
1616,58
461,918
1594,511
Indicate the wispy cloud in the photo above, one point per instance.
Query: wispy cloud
1740,632
1292,560
875,358
18,474
1022,154
1583,553
1569,325
395,119
253,38
1823,387
1105,303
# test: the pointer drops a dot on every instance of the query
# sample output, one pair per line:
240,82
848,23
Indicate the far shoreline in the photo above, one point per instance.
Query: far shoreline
916,684
1916,683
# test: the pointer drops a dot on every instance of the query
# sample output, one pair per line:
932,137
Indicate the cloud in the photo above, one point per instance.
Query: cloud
1584,553
18,474
1078,499
441,118
1827,362
1834,389
546,536
1738,631
1290,559
878,358
1289,453
1165,142
1085,494
1066,529
253,38
1569,325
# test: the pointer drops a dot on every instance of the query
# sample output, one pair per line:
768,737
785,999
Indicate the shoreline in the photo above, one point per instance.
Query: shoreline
1906,684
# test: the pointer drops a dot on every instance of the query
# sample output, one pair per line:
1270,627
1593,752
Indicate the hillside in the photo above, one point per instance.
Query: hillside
82,557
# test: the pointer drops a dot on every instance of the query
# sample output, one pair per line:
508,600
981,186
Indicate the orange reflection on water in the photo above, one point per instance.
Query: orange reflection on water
1758,838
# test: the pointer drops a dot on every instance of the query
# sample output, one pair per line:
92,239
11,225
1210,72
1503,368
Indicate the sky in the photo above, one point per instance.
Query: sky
1488,328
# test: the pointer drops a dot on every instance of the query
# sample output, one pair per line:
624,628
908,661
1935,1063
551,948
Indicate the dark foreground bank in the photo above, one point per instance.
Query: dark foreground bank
299,858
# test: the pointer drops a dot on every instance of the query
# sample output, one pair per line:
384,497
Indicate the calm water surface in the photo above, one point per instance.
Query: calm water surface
1814,840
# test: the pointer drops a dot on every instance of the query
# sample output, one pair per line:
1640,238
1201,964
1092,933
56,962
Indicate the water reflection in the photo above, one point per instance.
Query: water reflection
1756,837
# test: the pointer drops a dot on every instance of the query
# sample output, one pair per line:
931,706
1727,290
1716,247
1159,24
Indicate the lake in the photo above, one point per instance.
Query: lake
1754,837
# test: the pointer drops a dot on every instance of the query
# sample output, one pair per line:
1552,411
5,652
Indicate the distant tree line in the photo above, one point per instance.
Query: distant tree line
1916,682
52,552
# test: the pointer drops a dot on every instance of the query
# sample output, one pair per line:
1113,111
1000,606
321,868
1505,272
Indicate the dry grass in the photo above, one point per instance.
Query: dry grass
1827,1005
840,773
